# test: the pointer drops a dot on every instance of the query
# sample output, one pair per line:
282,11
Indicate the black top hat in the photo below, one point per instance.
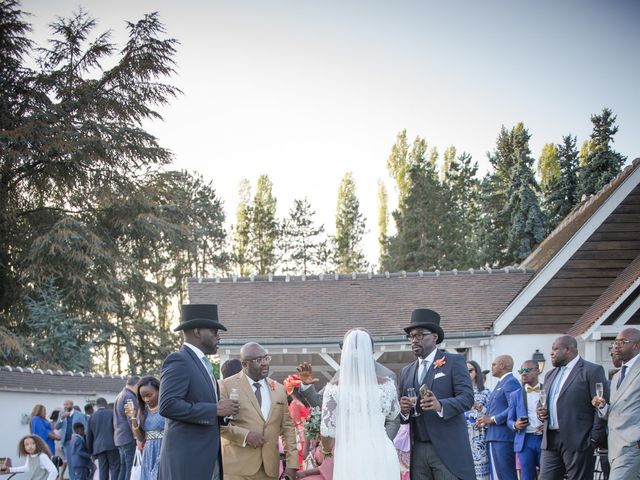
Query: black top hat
199,316
425,318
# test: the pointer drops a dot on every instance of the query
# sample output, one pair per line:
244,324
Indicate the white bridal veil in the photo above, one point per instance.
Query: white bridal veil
359,421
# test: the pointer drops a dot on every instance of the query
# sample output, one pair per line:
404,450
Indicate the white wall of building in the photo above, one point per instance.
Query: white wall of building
16,408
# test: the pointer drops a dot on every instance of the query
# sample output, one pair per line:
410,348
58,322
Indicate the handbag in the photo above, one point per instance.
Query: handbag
136,469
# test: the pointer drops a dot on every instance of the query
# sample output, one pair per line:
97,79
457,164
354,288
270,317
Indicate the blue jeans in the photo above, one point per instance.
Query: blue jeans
127,452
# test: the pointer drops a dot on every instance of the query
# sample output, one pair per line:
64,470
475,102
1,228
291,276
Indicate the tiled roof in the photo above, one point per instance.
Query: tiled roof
619,286
324,307
17,379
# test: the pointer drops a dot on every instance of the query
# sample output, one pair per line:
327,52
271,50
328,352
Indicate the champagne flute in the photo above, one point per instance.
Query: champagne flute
599,389
413,398
234,395
543,398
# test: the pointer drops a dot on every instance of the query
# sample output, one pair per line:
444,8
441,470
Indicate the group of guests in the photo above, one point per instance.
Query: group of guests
445,424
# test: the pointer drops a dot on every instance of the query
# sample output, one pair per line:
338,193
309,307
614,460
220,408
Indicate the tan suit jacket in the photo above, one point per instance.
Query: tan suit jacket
245,460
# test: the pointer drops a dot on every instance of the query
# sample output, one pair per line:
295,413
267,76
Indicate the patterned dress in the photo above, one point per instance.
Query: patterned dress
477,435
153,430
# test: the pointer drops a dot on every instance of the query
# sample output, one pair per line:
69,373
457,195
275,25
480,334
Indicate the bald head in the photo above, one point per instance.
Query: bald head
251,350
631,334
501,365
563,350
255,361
626,345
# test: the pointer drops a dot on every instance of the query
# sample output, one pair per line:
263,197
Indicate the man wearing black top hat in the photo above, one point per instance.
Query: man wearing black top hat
189,401
440,446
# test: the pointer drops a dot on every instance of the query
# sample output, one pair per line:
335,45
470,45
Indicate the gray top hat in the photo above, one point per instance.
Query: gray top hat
199,316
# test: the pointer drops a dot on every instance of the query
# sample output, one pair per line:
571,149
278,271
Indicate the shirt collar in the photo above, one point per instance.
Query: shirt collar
504,376
196,350
630,363
430,358
572,363
262,382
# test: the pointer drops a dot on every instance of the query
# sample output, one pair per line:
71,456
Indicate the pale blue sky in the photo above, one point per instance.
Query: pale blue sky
307,90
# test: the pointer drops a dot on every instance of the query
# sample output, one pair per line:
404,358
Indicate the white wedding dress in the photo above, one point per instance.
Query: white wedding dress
353,413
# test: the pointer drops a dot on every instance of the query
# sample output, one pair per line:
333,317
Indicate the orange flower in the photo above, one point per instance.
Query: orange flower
439,362
272,385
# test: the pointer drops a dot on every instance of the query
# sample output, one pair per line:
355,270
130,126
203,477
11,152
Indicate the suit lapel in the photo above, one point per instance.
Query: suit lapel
201,368
629,379
413,375
525,401
248,392
428,379
572,376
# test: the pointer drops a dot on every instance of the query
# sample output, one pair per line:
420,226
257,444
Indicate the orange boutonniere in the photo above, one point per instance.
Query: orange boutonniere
272,384
439,362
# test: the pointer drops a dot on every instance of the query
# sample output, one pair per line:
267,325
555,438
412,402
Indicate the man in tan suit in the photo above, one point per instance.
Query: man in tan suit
250,440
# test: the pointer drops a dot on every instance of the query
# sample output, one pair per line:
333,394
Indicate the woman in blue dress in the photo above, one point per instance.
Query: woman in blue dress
40,426
148,426
477,435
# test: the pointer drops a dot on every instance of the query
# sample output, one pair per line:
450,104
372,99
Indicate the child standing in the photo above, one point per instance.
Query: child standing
38,465
81,460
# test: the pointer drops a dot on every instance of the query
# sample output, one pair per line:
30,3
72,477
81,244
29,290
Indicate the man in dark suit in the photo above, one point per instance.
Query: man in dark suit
572,428
66,420
502,459
122,434
524,420
314,398
440,445
100,441
189,401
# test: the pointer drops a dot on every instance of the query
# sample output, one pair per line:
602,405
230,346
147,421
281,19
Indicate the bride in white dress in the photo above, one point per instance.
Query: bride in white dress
353,414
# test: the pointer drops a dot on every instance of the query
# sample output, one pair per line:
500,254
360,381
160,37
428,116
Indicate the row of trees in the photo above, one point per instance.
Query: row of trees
98,234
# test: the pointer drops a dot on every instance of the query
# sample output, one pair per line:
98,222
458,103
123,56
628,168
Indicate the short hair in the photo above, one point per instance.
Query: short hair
88,408
41,447
78,426
101,402
133,380
230,367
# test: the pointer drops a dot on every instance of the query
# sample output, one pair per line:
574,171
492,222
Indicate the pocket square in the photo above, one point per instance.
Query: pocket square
438,375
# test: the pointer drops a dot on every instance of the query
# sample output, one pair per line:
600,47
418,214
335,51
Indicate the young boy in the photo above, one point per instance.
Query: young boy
81,457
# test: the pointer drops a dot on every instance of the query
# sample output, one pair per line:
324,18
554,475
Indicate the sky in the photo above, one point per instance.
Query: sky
305,91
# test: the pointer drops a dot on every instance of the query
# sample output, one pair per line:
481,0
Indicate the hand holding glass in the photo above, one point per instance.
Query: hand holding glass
234,395
599,389
413,397
543,398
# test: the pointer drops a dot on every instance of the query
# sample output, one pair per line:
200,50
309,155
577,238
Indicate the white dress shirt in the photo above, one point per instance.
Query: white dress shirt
265,393
201,356
567,371
532,404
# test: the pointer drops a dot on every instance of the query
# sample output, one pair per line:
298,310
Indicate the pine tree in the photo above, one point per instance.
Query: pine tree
602,163
526,228
562,192
398,165
350,229
383,220
548,167
302,238
242,229
264,232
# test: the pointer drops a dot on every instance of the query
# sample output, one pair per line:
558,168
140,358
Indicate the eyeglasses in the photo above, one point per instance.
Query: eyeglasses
259,360
620,342
418,336
526,370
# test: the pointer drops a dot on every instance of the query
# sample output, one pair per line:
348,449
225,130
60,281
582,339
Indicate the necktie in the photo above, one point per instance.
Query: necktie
533,389
258,393
209,366
425,367
552,396
623,372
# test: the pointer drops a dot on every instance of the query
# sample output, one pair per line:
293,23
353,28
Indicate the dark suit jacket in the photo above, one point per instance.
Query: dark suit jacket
451,385
578,420
498,407
79,452
122,434
100,432
191,443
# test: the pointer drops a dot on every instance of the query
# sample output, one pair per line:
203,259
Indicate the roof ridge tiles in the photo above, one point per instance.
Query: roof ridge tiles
327,277
39,371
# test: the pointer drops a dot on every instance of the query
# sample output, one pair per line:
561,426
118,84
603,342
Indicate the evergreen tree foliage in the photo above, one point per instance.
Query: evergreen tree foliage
242,229
350,229
398,165
601,163
526,228
548,166
264,232
562,192
383,220
302,240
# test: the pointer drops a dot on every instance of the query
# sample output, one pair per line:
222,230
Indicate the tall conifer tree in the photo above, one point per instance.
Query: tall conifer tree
350,229
264,231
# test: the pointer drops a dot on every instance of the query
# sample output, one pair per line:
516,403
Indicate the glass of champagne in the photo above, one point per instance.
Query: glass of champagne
543,398
413,398
233,395
599,389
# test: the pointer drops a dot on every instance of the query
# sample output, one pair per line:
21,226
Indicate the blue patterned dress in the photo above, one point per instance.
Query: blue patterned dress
153,430
477,435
